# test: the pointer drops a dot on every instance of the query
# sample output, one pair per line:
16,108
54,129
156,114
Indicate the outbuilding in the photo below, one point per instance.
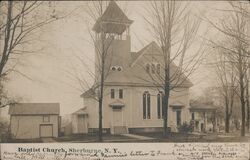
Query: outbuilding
34,120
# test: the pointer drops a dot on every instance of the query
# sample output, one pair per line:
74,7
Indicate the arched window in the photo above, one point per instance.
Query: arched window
147,68
146,105
113,68
119,68
159,105
162,106
158,68
153,68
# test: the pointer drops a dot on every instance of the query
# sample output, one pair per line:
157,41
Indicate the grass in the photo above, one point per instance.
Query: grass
172,137
90,138
37,140
181,137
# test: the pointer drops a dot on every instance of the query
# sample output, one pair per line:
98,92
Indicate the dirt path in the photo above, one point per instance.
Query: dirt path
138,137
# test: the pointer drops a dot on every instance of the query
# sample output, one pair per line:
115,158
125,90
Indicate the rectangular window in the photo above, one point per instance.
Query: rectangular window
120,93
112,93
46,119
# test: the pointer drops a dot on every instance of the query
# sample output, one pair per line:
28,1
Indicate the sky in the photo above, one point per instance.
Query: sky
67,41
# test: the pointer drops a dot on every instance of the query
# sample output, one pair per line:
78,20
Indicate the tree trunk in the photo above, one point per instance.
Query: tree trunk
100,108
227,124
165,114
166,87
247,104
101,87
242,97
242,112
100,120
227,117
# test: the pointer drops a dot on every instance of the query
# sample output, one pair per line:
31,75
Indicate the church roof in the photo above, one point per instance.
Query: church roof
113,13
90,92
136,55
134,74
115,16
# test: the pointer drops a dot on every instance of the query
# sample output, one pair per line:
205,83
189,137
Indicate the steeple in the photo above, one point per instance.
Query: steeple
112,35
113,20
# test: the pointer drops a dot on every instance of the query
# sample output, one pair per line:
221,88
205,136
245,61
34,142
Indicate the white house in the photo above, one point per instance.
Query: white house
34,120
132,101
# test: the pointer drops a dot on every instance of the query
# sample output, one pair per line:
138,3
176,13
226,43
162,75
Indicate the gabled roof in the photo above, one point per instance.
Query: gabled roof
113,14
153,48
34,109
136,55
89,93
135,75
81,111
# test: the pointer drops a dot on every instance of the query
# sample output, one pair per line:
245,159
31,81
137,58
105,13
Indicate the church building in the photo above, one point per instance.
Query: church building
132,99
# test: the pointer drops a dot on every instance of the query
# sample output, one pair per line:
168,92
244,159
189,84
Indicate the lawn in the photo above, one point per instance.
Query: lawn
92,138
37,140
181,137
172,137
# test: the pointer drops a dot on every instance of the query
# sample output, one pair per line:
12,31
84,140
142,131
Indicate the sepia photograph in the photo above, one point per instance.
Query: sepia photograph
124,72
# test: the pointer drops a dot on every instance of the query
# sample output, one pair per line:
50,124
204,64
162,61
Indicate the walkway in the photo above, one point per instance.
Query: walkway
138,137
48,140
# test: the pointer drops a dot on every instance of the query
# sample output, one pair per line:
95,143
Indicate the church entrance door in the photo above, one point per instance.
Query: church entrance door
117,117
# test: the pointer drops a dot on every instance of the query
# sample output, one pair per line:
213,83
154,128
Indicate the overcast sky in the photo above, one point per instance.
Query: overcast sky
68,39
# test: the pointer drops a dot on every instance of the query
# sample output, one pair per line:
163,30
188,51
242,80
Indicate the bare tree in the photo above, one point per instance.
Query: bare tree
235,29
19,24
226,74
174,30
102,40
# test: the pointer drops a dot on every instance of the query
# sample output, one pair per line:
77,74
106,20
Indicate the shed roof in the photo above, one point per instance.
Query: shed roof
34,109
80,111
203,107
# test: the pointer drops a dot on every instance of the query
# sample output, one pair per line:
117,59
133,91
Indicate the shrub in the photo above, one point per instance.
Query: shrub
5,135
185,128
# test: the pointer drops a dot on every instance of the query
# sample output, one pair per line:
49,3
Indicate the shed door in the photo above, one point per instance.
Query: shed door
46,130
82,124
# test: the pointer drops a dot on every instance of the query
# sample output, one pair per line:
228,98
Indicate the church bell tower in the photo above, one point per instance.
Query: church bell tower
112,39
